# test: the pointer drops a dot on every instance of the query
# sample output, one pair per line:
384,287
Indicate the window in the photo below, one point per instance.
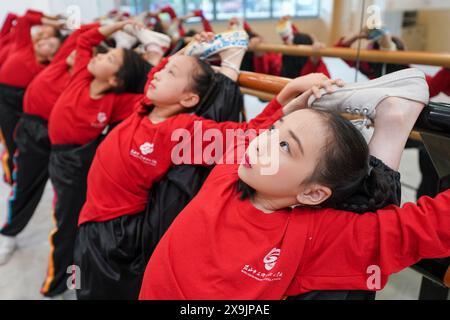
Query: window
257,9
177,5
206,5
225,9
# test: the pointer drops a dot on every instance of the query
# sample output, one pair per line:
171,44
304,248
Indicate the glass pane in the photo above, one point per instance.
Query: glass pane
177,5
283,8
307,7
227,9
128,6
206,5
257,9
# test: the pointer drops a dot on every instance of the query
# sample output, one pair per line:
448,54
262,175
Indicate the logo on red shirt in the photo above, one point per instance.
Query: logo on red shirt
269,263
271,259
101,117
147,148
101,120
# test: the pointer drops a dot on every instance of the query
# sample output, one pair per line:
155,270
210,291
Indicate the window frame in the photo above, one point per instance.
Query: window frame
140,5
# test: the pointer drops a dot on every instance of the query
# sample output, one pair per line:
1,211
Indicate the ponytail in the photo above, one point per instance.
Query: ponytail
379,188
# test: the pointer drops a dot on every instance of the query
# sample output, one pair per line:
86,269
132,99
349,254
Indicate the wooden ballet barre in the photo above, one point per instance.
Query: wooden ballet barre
262,82
397,57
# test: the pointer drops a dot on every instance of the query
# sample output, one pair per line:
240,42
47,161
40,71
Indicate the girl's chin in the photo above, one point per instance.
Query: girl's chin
243,172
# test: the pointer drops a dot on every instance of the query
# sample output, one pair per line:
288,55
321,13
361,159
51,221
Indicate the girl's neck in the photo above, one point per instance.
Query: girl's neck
269,204
97,88
162,113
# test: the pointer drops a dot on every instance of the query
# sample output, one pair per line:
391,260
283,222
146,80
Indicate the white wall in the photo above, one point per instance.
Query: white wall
20,6
90,9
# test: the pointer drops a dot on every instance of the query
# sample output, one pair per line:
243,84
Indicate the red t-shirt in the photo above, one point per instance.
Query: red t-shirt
271,63
440,82
21,66
6,37
76,118
220,247
5,48
44,90
7,25
364,66
137,153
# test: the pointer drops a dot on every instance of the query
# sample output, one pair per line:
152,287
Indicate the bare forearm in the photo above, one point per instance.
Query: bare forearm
299,85
394,121
349,41
108,30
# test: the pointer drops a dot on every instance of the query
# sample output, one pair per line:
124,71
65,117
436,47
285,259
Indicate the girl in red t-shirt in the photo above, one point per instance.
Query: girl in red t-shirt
25,58
255,235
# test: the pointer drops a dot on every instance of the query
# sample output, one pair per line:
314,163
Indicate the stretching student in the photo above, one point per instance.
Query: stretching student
113,265
7,33
250,243
261,62
281,64
205,23
293,66
134,156
175,27
26,58
99,94
33,144
181,42
379,39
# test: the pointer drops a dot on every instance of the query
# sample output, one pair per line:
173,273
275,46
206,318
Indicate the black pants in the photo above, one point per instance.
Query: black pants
110,256
68,169
31,174
11,99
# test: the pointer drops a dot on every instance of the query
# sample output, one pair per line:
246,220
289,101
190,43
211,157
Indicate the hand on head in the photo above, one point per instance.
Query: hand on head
204,36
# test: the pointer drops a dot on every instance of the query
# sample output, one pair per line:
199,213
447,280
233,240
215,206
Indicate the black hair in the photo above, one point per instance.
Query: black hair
203,83
158,27
247,60
292,65
344,163
59,35
246,192
177,46
62,37
190,33
110,42
344,168
101,48
251,34
132,75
